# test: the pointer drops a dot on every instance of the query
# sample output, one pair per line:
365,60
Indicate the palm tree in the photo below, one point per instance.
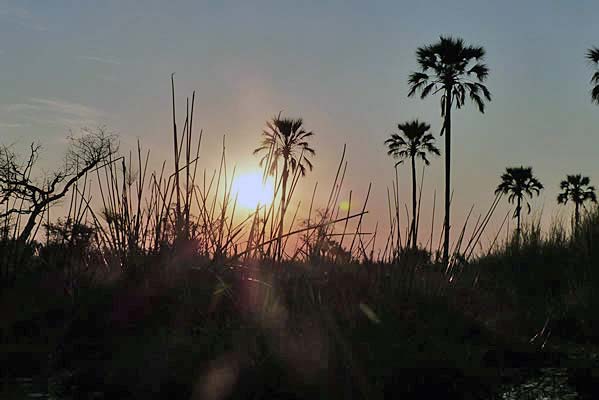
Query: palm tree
519,182
576,188
284,145
412,142
454,70
593,56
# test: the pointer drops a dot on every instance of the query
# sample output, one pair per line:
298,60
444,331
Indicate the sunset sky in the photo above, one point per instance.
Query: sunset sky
342,66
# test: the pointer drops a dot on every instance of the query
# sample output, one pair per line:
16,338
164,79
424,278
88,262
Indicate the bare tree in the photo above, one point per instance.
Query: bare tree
22,195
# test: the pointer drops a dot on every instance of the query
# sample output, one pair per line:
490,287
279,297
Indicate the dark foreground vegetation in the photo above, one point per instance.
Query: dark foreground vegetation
172,327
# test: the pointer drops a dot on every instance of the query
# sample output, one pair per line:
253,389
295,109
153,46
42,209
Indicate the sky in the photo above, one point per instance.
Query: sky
340,65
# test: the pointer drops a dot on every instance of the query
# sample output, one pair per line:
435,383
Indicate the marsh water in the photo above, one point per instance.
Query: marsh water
547,384
541,384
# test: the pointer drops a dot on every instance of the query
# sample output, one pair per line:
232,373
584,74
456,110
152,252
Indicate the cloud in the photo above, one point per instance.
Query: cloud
54,112
20,107
16,12
65,107
108,78
23,17
103,60
4,125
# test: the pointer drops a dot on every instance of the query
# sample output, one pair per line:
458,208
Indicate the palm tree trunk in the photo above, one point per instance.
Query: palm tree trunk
283,209
397,212
576,216
518,209
414,203
447,126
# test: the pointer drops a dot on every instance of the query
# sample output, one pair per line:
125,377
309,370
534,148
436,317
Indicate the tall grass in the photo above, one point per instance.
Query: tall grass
190,213
548,276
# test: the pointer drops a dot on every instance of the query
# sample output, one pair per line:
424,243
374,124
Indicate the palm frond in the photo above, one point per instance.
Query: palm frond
593,54
595,94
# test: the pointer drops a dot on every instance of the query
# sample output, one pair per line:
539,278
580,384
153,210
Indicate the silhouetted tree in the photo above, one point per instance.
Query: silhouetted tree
285,146
412,142
518,183
593,56
17,186
456,71
67,232
576,188
320,247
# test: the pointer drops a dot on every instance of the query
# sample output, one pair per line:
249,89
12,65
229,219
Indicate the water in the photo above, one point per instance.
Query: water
24,388
545,384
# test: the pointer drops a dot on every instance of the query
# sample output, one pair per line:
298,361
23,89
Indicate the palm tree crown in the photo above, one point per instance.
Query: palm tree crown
285,138
414,141
518,183
452,67
593,56
576,188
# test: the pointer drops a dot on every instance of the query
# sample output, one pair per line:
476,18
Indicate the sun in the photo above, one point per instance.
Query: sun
251,191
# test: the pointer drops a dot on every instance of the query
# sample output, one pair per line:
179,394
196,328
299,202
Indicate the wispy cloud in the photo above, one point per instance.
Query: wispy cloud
103,60
65,107
108,78
5,125
16,12
20,107
22,16
54,112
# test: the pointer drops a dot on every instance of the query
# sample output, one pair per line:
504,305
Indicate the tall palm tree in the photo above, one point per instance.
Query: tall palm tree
412,142
285,145
576,188
518,183
454,70
593,56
